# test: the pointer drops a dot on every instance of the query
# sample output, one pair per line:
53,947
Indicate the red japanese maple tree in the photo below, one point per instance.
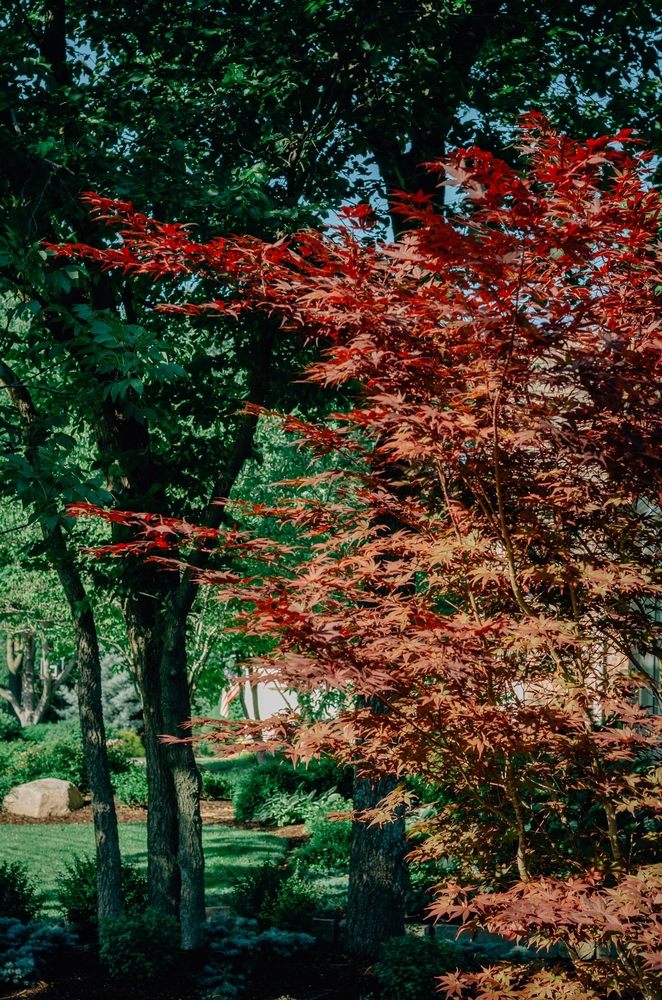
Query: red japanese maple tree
485,570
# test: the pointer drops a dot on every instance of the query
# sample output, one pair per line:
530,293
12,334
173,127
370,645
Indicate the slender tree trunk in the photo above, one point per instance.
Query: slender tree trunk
28,679
109,866
162,868
378,877
186,778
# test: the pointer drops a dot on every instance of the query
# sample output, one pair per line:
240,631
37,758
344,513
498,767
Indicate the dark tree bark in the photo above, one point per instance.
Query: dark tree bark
163,875
109,866
378,877
187,784
175,696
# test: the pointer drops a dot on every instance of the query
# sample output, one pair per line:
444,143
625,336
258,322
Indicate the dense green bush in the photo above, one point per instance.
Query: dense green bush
257,888
408,966
293,905
236,947
278,775
18,897
215,785
130,786
328,847
27,949
77,892
138,945
26,760
10,727
422,877
131,743
275,895
55,750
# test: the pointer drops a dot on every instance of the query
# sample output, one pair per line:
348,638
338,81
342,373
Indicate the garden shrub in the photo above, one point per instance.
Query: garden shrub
278,775
25,760
138,945
236,947
257,888
18,897
130,786
422,877
408,966
131,742
328,847
10,727
215,785
27,949
54,750
276,895
77,892
293,905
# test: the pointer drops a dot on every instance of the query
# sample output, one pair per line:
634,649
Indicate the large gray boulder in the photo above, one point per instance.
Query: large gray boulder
43,797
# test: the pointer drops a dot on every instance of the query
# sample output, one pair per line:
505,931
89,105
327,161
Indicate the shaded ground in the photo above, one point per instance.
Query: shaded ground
320,974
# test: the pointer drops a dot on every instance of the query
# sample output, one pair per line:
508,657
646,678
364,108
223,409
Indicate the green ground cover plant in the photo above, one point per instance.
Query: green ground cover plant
130,786
328,847
260,785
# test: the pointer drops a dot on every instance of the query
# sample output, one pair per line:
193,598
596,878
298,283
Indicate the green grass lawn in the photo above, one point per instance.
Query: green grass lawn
46,849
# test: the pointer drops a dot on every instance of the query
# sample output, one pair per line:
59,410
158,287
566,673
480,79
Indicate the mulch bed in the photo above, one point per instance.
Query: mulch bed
213,814
320,974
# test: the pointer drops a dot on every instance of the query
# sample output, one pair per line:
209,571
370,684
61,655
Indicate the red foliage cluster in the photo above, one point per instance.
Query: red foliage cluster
487,566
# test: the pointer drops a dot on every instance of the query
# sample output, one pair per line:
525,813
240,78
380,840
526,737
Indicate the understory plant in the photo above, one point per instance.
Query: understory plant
409,967
483,569
236,947
19,898
277,896
27,949
327,850
138,945
262,793
283,808
78,896
55,750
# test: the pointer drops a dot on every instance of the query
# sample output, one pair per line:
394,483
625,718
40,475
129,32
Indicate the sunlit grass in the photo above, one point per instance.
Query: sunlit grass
46,849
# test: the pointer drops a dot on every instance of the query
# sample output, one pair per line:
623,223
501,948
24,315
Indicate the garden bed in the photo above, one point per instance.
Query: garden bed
320,974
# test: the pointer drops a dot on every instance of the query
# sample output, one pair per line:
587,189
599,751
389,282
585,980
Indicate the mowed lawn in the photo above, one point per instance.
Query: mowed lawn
46,849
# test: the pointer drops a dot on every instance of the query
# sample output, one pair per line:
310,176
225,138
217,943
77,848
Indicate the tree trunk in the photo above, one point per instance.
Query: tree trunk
162,868
175,696
186,777
378,877
109,865
28,679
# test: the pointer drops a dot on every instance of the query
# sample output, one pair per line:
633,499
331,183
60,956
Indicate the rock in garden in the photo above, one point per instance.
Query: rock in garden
42,798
